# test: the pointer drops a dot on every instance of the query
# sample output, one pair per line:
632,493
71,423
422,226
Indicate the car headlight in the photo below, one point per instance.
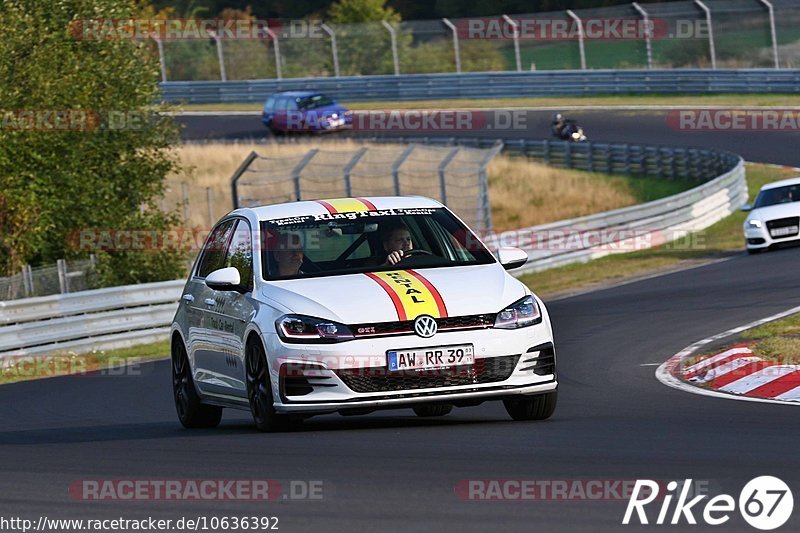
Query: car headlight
524,312
753,223
576,135
299,328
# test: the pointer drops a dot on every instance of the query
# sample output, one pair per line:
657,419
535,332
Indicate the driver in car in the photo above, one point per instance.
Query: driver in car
396,242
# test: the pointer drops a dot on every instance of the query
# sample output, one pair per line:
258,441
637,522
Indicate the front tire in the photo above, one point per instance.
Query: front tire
538,407
191,411
259,391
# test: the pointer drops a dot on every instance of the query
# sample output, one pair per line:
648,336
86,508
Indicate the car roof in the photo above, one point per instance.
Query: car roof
297,94
341,205
782,183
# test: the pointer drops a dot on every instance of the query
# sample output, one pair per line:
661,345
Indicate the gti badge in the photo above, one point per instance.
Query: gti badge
425,326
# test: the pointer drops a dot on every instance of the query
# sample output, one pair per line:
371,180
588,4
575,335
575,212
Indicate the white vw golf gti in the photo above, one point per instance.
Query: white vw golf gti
351,305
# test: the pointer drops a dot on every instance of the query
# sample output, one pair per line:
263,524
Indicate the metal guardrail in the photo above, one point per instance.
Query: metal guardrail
122,316
495,85
100,318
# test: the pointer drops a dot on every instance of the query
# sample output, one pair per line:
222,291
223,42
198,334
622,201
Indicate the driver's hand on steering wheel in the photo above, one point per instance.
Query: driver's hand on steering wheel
394,257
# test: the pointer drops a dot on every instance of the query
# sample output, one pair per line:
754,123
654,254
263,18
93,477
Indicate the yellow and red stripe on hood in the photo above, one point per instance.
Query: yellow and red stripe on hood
411,294
347,205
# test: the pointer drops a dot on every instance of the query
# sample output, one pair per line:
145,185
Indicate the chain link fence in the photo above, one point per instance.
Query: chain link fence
454,175
683,34
61,278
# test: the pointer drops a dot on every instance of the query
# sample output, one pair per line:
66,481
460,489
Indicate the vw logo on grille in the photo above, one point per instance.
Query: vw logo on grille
425,326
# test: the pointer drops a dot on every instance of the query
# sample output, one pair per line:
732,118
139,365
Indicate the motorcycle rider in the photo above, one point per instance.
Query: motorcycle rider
558,125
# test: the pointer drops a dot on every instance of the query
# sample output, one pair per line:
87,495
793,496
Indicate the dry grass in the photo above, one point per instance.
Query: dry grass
785,350
523,193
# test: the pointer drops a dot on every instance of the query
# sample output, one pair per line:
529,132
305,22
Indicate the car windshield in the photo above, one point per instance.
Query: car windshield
778,195
358,242
314,102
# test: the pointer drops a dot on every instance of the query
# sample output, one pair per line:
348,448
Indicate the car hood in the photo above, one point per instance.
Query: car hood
361,298
771,212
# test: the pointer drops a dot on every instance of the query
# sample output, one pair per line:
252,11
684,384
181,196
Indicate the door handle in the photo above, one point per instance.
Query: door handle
188,298
210,301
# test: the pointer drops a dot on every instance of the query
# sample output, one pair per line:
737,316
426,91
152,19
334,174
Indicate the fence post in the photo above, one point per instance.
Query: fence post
210,202
61,266
334,51
772,31
581,37
484,207
185,200
220,57
277,49
707,11
648,33
348,168
298,169
26,280
441,171
456,48
393,36
161,59
397,164
238,174
515,30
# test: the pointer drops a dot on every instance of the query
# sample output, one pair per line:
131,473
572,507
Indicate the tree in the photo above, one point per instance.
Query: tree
106,168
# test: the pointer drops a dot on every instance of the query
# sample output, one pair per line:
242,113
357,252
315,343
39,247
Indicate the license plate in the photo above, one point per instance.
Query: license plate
779,232
425,358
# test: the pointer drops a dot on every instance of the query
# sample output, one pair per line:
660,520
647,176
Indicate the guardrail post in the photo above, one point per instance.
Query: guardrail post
713,52
162,62
277,49
61,266
581,37
220,56
546,151
334,50
393,37
456,49
627,159
568,155
299,168
348,169
648,33
397,163
515,30
441,171
590,156
772,31
238,174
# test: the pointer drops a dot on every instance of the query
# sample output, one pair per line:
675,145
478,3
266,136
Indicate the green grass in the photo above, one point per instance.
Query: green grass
785,326
754,100
62,363
720,240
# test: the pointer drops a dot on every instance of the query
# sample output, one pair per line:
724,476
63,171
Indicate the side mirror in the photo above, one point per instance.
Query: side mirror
224,279
512,257
746,208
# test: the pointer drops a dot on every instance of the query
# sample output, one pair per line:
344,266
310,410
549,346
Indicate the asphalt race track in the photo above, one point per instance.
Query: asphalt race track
620,126
391,471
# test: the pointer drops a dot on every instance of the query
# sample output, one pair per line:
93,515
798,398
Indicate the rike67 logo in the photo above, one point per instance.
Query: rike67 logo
765,503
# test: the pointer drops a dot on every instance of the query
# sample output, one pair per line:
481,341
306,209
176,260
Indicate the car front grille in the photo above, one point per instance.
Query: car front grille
379,379
381,329
776,226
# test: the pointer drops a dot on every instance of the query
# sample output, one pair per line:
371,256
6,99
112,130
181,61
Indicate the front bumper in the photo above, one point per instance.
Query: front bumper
516,362
760,239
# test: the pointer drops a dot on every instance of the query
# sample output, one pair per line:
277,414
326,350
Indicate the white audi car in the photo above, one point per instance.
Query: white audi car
356,304
774,218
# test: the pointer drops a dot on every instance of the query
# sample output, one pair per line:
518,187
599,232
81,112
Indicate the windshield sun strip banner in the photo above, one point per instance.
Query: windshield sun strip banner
347,205
411,294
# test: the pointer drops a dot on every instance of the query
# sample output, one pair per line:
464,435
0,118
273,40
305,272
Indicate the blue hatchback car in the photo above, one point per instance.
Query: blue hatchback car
304,111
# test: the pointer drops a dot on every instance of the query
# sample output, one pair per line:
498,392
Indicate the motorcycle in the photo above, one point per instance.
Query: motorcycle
568,130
